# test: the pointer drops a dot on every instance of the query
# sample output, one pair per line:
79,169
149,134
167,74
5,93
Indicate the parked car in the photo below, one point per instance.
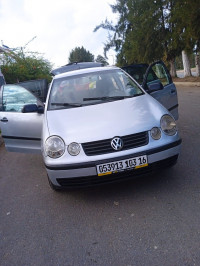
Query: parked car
98,126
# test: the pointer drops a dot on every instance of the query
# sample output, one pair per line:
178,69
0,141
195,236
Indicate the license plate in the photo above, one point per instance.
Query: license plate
118,166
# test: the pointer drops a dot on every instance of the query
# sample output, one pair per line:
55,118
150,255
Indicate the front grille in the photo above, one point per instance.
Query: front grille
88,181
104,146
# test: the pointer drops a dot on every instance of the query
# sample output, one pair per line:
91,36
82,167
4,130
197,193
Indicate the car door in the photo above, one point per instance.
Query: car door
158,83
21,131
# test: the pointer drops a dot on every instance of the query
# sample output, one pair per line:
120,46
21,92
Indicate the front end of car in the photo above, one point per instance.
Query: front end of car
108,142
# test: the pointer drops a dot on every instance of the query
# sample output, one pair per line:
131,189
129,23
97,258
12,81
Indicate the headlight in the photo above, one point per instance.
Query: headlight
54,147
74,148
155,133
168,125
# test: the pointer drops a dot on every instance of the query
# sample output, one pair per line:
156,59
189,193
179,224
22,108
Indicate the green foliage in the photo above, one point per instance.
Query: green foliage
142,42
102,60
186,17
150,30
22,66
80,54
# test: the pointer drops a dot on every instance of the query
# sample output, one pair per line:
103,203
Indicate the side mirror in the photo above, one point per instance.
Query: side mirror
33,108
40,110
154,87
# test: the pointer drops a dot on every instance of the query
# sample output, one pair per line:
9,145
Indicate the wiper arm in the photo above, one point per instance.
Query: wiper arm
107,98
68,104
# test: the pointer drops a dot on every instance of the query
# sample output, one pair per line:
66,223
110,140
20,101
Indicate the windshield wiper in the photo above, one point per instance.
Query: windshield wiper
107,98
68,104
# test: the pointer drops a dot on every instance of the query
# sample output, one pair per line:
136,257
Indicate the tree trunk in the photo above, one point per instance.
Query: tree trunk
197,63
172,68
186,64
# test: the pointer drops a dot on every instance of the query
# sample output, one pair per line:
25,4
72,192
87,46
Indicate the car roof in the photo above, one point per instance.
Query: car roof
75,66
84,71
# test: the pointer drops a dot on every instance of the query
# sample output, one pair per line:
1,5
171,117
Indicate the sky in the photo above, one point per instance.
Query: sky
56,27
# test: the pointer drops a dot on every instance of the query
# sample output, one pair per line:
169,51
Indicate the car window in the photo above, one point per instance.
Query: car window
94,85
38,87
15,97
137,71
158,73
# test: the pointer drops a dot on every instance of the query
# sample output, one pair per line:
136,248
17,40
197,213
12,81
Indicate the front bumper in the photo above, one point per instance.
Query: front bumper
85,174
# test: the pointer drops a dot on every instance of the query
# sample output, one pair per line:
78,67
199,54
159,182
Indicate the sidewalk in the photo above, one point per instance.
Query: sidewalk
187,83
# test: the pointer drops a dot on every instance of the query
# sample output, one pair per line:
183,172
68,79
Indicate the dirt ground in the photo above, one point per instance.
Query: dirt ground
187,79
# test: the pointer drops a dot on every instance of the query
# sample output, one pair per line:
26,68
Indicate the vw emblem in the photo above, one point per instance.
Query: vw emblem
117,144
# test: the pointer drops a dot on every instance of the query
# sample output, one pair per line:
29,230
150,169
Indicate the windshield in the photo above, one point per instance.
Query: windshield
92,88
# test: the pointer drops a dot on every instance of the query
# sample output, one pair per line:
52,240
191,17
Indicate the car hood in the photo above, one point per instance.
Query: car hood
105,120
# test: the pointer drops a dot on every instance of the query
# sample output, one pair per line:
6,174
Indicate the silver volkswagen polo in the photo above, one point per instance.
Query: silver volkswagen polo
98,126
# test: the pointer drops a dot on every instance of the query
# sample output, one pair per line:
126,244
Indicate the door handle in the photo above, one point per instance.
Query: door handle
4,119
173,90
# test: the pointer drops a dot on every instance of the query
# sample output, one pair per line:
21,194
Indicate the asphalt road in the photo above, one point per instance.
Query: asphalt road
148,221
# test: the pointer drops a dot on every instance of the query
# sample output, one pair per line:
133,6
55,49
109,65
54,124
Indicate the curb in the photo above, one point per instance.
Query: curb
193,84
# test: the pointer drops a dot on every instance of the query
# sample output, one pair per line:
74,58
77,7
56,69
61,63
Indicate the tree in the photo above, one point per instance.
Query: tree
22,66
197,63
117,32
150,30
80,54
143,32
188,30
102,60
186,64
